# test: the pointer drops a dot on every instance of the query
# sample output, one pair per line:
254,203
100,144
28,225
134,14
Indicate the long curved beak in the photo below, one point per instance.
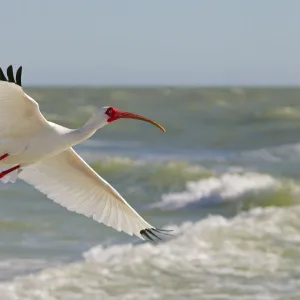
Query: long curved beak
127,115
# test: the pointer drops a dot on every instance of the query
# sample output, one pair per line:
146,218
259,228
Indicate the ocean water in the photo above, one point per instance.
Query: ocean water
225,177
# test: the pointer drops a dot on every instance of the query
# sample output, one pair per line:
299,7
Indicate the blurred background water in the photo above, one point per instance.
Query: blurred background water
225,177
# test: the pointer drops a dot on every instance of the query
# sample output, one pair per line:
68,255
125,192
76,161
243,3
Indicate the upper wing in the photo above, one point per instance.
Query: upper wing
19,113
68,180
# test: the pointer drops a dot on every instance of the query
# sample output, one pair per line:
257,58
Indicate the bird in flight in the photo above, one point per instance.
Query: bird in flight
42,152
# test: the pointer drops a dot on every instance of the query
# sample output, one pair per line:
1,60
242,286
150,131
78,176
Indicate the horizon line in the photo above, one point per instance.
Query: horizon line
161,86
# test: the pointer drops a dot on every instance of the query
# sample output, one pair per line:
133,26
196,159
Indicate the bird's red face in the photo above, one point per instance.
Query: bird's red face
115,114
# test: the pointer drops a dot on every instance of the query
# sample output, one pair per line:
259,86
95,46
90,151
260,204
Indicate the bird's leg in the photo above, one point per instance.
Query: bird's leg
2,174
3,156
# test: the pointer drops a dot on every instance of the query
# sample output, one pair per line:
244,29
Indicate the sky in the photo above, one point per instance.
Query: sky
157,42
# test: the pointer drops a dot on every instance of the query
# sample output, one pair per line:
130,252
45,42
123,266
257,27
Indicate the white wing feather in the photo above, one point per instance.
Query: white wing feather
19,114
68,180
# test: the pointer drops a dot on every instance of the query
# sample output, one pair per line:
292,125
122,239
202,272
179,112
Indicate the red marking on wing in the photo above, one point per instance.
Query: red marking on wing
3,156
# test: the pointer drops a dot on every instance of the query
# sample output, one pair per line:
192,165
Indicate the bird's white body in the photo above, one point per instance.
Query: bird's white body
43,150
46,142
51,139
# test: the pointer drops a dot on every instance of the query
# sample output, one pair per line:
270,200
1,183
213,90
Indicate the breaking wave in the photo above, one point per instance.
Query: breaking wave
224,188
254,254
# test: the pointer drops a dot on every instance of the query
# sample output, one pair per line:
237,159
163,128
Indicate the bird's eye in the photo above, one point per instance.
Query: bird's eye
110,111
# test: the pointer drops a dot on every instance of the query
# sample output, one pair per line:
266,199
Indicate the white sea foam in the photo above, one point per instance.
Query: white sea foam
226,187
254,255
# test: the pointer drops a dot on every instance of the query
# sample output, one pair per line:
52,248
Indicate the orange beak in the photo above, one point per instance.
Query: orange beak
119,114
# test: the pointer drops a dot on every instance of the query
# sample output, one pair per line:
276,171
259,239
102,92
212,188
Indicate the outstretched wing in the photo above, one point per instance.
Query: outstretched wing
68,180
19,114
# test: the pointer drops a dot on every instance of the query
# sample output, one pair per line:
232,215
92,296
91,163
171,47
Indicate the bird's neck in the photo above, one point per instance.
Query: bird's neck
78,135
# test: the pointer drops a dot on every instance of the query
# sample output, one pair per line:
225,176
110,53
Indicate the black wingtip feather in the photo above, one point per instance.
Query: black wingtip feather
10,74
2,76
146,232
19,76
151,232
163,230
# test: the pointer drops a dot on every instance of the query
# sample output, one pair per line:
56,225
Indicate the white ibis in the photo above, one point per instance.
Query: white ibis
43,152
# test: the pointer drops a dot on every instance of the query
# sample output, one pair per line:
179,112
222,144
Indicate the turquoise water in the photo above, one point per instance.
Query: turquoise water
225,177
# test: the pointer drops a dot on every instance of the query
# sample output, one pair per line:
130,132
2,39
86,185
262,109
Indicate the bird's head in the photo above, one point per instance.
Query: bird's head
112,114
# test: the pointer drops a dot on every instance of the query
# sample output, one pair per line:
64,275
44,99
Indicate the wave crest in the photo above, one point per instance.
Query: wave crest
227,187
207,259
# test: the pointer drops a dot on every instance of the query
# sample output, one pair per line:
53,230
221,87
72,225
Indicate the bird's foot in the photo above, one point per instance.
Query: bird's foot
3,173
